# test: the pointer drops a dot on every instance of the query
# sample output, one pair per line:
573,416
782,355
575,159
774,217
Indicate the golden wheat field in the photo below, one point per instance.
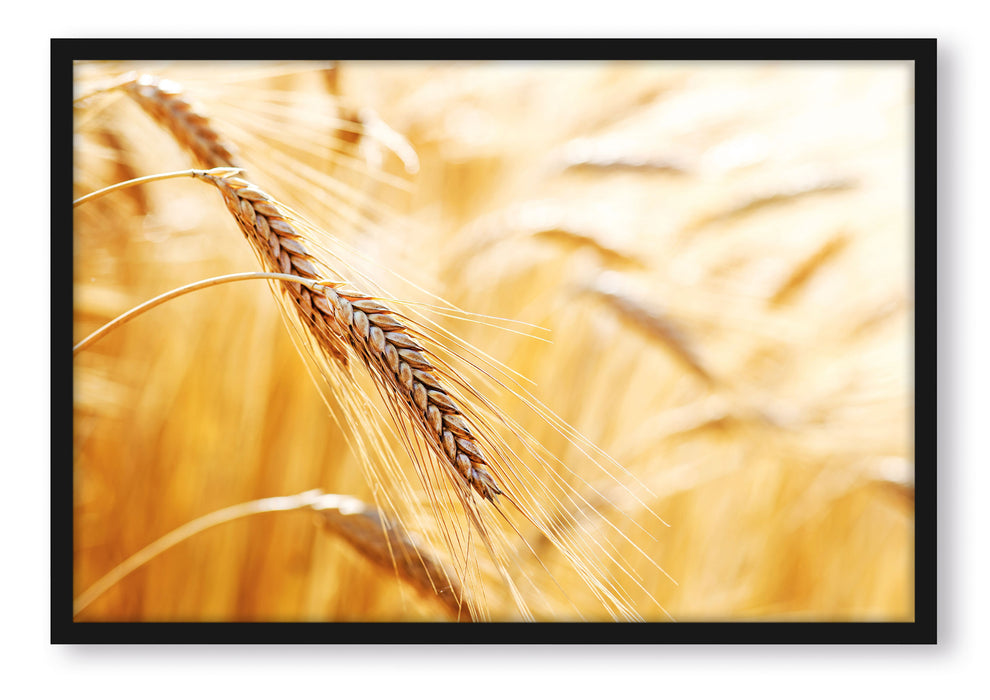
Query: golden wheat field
665,310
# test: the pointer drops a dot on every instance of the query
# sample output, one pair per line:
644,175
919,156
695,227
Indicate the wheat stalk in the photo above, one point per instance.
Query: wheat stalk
185,289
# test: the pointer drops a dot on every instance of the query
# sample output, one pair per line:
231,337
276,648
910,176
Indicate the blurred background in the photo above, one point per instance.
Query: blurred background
722,254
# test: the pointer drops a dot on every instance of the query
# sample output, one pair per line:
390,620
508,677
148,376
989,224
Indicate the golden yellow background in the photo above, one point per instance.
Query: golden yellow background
755,217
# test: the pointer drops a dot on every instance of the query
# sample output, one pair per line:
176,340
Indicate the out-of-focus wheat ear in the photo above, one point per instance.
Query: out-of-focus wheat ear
875,317
331,78
654,324
799,187
387,545
123,167
603,155
550,222
799,276
164,101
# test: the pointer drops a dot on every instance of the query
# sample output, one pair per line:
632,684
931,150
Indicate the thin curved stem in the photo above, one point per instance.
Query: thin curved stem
300,501
363,527
315,285
218,172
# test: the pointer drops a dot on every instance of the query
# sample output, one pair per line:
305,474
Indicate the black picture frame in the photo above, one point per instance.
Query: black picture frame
923,54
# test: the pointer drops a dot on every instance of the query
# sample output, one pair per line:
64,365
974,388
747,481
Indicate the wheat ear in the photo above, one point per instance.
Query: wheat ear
379,337
337,319
164,101
654,324
387,545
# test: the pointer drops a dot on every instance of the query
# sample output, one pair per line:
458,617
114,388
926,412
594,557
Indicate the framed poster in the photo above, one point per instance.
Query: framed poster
593,341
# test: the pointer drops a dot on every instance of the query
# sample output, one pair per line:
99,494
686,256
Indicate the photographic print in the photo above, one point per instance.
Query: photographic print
404,337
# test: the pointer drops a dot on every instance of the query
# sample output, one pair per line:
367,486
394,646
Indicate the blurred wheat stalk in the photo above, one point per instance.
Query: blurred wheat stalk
722,254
